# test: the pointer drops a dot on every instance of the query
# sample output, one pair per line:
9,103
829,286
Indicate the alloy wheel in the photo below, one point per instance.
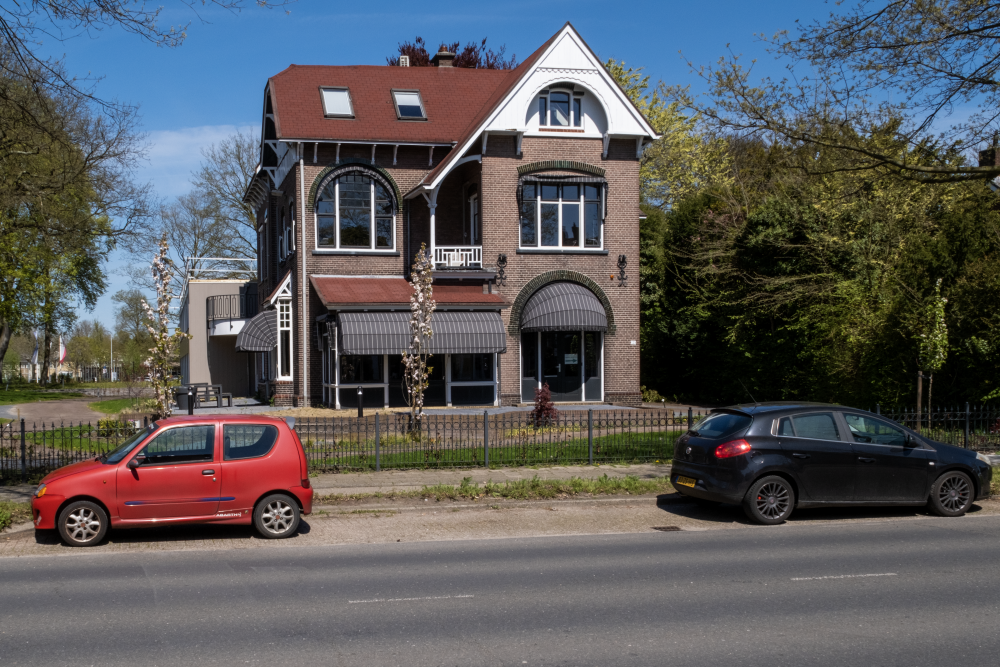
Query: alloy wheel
954,493
83,525
277,517
773,500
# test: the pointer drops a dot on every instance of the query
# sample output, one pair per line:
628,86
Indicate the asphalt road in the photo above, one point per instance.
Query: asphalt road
906,593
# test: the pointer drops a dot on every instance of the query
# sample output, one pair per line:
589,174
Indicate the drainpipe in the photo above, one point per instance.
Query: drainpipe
305,304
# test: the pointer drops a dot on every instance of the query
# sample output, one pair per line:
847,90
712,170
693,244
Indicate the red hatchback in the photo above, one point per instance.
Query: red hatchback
227,470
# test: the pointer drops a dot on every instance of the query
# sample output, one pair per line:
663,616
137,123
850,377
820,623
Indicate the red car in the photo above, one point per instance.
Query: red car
224,470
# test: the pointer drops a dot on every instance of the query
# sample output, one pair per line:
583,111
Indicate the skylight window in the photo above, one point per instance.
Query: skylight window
409,106
337,103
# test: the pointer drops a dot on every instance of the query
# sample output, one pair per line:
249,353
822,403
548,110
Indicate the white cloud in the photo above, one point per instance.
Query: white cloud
175,154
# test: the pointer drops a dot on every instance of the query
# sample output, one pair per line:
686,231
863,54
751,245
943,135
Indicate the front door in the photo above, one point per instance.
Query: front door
821,458
177,476
561,364
889,468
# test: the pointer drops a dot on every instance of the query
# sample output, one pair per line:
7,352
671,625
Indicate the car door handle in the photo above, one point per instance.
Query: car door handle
801,456
207,472
866,460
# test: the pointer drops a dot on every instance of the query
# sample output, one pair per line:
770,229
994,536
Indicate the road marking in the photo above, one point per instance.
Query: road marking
436,597
845,576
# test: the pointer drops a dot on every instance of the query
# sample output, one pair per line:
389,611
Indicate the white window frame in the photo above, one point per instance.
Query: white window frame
285,324
495,382
336,214
574,117
583,247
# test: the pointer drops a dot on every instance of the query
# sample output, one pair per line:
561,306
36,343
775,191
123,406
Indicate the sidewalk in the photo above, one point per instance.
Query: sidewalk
387,481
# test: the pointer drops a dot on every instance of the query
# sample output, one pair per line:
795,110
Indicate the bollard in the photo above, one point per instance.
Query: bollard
378,459
24,458
361,405
878,408
486,438
145,423
690,418
190,400
590,435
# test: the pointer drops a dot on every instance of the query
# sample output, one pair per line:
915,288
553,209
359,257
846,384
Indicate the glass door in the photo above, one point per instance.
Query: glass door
561,364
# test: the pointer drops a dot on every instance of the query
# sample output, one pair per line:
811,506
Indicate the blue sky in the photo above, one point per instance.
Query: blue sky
198,93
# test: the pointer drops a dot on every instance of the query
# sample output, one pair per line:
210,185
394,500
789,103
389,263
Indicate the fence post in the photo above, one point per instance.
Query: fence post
965,441
590,434
24,456
378,459
690,418
486,438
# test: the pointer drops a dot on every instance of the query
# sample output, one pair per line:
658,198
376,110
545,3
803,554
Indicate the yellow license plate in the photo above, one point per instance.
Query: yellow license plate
685,481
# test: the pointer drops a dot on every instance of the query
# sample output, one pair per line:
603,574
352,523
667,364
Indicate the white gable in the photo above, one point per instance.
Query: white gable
606,110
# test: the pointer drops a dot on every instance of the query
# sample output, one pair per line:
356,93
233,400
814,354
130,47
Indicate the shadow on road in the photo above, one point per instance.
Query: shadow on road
169,534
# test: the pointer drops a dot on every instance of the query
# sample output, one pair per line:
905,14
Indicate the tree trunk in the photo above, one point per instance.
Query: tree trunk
930,403
5,336
47,349
920,397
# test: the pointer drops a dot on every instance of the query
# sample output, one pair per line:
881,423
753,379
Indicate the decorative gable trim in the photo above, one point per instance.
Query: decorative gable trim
570,165
370,164
284,290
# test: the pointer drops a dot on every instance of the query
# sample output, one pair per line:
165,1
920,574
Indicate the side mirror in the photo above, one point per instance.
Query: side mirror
133,463
911,441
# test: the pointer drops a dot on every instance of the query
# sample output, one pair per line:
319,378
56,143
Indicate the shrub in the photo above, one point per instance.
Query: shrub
544,412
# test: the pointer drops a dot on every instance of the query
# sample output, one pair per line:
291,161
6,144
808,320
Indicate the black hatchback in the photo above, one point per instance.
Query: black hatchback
774,457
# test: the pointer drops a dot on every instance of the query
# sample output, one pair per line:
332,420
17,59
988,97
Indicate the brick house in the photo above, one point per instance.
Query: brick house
523,184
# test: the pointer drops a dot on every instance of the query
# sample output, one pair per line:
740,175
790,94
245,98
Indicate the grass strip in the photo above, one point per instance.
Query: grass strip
16,396
525,489
995,483
13,513
112,406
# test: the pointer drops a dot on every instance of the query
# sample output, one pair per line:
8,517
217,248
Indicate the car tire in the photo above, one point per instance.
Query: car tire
952,494
276,516
82,524
770,501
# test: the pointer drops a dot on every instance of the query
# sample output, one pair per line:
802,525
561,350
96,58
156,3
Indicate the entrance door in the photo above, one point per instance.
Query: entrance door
561,367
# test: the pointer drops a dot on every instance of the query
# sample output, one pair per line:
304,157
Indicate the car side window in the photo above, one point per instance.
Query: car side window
184,444
818,426
247,441
785,427
874,431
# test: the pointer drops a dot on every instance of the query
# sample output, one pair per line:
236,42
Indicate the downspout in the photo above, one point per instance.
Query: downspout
305,305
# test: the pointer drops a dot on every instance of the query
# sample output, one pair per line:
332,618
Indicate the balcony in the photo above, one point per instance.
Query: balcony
227,313
458,257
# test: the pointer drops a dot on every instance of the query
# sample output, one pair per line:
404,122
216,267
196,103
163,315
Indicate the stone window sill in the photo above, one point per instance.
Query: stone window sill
559,251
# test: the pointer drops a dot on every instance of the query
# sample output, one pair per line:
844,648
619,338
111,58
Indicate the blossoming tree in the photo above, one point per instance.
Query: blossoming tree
416,371
158,323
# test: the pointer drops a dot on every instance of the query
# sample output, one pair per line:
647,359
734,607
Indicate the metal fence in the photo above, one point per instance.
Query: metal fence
382,441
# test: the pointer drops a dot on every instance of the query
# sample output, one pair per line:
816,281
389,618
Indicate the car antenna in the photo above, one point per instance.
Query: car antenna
756,404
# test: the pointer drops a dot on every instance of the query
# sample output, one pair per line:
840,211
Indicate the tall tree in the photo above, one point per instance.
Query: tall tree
223,178
473,55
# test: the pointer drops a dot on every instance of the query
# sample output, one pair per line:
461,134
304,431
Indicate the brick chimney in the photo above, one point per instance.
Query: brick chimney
443,59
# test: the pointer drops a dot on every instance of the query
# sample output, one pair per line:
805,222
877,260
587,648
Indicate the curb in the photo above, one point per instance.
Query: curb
500,503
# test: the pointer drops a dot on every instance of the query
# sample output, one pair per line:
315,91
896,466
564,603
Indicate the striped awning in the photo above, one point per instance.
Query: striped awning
260,334
564,307
455,332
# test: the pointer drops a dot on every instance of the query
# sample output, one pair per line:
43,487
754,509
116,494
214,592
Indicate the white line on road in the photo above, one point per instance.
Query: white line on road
845,576
438,597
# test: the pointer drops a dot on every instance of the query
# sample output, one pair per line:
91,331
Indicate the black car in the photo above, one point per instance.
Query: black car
774,457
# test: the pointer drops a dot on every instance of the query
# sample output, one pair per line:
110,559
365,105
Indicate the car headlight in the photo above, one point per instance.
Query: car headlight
982,457
40,491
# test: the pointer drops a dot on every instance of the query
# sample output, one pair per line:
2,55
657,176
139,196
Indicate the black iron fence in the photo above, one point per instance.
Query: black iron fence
29,450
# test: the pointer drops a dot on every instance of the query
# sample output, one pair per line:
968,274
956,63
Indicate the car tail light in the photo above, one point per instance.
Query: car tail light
305,483
732,448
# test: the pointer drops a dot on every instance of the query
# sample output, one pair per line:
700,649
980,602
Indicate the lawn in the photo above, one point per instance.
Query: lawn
398,453
15,396
112,406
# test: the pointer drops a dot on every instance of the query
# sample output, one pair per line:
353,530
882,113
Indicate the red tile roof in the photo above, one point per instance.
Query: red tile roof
452,96
384,292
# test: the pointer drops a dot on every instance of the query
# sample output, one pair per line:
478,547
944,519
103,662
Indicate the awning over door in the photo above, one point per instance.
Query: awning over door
564,307
260,334
455,332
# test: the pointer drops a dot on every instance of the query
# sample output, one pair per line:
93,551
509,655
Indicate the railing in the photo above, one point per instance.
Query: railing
230,307
460,256
970,426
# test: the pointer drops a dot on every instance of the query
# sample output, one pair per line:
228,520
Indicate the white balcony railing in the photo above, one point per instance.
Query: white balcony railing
460,256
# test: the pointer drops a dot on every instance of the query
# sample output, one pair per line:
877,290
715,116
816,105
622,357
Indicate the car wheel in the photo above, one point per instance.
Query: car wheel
770,501
276,516
82,524
951,494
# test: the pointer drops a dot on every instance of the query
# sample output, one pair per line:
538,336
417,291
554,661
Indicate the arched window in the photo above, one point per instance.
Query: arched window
355,211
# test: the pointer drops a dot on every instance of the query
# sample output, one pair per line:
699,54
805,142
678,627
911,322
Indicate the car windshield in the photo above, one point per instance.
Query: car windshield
721,425
123,451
